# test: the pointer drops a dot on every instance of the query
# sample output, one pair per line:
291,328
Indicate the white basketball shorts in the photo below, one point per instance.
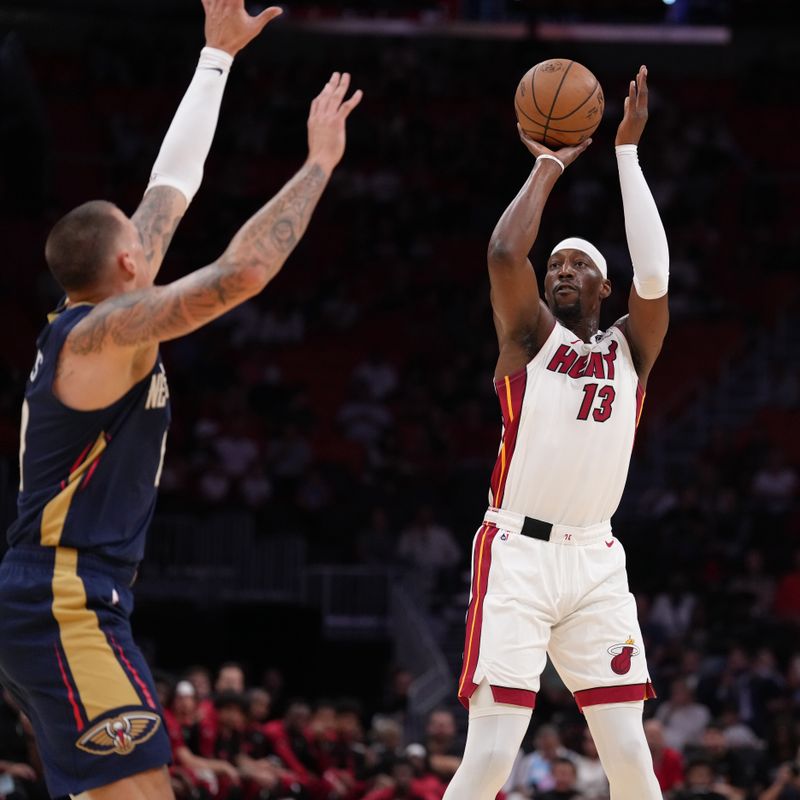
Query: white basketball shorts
567,598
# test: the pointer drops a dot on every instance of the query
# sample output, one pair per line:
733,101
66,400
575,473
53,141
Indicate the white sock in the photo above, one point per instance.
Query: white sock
494,737
619,737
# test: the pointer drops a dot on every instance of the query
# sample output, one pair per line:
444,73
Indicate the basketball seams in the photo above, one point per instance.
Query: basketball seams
555,96
545,126
582,103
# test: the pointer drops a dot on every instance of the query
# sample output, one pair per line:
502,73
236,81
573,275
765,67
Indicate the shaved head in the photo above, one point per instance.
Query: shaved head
82,243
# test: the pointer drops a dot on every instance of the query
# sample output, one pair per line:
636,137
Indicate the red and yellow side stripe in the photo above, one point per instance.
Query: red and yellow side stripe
511,393
481,564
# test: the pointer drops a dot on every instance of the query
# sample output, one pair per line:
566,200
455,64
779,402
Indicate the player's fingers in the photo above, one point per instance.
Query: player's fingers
642,82
267,15
341,90
350,104
327,92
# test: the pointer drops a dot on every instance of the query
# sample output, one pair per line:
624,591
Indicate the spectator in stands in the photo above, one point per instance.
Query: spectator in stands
667,763
377,375
200,677
786,784
230,678
775,483
748,686
755,583
259,706
431,553
741,767
683,718
564,782
192,772
300,748
703,783
273,682
426,781
533,773
199,731
442,743
385,745
672,610
402,785
344,753
364,418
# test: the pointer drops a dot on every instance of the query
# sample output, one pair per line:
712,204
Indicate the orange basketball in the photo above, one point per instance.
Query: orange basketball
559,103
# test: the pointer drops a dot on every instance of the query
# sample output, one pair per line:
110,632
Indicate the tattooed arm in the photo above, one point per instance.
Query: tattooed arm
115,345
253,258
156,219
178,169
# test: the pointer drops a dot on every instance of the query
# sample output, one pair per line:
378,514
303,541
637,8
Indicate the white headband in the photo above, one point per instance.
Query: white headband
574,243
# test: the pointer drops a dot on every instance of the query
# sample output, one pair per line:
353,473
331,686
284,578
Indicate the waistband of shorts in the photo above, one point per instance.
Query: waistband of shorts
512,522
121,572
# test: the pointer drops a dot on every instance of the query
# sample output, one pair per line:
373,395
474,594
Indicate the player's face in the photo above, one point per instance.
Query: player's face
573,284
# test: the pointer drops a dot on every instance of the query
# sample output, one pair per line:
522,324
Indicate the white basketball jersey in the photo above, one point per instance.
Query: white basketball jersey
569,420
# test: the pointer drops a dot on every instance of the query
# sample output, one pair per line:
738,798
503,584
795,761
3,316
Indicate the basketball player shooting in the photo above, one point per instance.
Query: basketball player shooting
94,427
548,574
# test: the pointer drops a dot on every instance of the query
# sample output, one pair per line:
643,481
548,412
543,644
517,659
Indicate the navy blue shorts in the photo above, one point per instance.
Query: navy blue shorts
68,658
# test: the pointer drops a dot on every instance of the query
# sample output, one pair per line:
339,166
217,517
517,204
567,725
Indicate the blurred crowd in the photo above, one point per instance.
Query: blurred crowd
711,737
352,404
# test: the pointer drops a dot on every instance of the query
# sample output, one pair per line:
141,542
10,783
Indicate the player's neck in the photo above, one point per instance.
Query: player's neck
584,329
90,296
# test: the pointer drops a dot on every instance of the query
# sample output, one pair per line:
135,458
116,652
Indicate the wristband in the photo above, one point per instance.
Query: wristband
552,158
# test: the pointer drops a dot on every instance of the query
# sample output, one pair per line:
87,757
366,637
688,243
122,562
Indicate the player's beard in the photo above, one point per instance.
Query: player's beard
569,313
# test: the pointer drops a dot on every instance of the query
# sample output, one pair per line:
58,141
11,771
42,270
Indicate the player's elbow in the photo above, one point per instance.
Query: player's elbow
249,278
500,254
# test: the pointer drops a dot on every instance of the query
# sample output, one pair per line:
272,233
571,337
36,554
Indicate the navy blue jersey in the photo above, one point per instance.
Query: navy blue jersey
88,478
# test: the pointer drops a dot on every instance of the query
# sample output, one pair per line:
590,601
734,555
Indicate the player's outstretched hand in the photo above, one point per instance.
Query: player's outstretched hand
566,155
326,121
230,27
635,116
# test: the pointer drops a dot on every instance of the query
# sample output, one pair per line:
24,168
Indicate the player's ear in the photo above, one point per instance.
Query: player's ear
605,288
126,264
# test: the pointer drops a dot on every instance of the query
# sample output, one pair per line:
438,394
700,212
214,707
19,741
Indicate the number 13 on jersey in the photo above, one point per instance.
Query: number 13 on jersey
597,401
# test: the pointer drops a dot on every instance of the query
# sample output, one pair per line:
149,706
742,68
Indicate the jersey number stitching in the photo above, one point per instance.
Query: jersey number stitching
603,411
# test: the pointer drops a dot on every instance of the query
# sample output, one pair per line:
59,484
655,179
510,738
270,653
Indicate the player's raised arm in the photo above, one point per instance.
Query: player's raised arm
178,169
143,317
521,320
648,309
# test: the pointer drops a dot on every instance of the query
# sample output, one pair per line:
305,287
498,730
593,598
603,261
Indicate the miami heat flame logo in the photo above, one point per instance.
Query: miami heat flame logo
622,655
119,734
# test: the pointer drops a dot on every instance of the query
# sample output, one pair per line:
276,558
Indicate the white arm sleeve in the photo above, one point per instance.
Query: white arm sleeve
647,240
185,147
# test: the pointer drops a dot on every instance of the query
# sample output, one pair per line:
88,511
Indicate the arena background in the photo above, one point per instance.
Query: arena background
352,403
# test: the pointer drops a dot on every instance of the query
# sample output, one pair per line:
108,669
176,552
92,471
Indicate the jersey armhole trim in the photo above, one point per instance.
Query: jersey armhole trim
514,376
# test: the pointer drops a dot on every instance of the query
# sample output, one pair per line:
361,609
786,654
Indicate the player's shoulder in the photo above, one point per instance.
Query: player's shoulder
621,324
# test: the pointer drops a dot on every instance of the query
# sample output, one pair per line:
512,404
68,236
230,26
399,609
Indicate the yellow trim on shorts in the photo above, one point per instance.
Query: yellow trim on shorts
101,682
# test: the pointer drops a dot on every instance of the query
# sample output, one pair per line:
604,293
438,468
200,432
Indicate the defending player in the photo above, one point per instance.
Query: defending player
548,574
94,425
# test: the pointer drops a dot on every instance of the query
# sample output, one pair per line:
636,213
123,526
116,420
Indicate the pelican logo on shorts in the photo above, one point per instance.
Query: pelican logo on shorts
504,537
119,734
622,655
